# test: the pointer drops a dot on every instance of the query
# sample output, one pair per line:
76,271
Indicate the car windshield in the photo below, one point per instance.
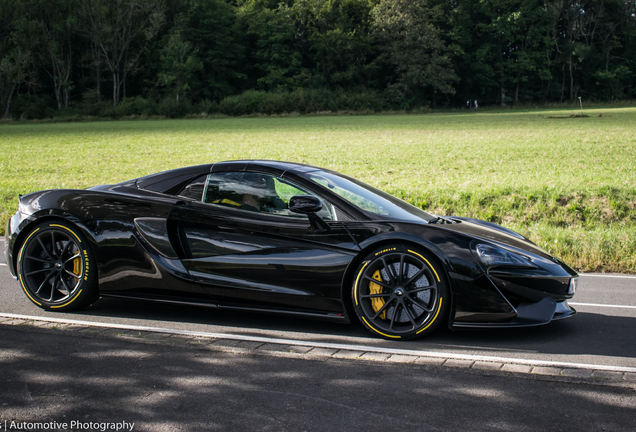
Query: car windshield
369,199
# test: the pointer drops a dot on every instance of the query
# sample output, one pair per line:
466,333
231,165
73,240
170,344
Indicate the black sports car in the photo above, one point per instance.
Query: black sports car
284,238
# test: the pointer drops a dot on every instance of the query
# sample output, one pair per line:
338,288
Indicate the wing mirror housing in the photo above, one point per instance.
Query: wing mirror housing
305,204
309,205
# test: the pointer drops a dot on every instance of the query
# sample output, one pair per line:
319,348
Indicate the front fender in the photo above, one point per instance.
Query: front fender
392,237
378,240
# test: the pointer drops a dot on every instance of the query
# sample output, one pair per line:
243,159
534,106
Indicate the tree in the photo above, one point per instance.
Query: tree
573,29
120,31
413,45
274,52
179,63
210,26
57,21
13,72
341,42
16,59
513,30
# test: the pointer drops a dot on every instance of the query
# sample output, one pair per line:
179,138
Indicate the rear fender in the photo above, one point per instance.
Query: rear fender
29,222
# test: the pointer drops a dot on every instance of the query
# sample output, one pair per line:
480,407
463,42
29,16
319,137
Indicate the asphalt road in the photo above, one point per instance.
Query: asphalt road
50,376
602,333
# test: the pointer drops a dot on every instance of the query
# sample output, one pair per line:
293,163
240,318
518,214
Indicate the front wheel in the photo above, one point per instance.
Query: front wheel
400,292
56,267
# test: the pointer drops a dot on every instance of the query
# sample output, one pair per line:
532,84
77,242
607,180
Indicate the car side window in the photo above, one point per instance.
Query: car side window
256,192
194,189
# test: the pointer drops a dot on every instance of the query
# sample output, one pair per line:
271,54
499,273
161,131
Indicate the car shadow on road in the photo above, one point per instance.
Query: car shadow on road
241,322
585,334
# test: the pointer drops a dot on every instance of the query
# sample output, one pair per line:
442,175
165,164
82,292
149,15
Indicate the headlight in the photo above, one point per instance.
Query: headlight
491,255
573,284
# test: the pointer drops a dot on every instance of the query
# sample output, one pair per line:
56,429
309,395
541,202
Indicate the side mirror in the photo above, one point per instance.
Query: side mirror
305,204
309,205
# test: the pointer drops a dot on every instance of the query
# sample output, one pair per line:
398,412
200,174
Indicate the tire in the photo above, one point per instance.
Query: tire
400,292
56,267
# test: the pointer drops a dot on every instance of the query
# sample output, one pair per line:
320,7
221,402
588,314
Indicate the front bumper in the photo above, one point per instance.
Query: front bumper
517,298
529,315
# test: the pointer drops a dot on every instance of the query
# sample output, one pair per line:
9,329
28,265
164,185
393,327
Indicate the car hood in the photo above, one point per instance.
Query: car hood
500,235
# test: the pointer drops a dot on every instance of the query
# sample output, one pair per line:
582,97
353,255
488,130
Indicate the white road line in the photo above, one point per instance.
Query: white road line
602,305
2,264
337,346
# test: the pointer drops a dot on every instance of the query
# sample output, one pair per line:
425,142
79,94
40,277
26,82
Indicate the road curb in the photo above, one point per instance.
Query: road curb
324,351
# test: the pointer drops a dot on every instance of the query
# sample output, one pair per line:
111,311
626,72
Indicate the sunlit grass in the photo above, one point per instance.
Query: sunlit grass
571,180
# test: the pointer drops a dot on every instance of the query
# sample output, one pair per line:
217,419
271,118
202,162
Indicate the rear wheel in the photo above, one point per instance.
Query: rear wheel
56,267
399,293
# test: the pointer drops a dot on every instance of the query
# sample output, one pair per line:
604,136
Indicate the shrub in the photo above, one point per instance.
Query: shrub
31,108
303,101
136,106
320,100
169,107
296,100
395,97
272,103
231,106
206,106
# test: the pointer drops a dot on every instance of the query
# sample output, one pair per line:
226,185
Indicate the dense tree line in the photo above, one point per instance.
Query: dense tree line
173,57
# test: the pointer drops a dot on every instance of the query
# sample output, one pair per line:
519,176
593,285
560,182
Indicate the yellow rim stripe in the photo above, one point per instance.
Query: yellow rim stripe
20,276
434,318
27,292
355,288
439,308
67,229
27,239
429,264
377,331
66,304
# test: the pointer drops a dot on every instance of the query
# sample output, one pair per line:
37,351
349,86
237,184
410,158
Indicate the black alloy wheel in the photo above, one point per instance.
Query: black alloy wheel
399,293
55,267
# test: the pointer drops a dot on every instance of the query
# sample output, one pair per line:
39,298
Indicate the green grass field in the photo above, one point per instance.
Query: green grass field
567,183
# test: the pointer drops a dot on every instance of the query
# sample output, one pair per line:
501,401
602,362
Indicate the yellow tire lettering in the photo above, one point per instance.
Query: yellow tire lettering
385,250
86,264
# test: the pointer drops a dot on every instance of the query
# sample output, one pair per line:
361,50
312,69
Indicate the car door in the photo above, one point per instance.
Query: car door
245,247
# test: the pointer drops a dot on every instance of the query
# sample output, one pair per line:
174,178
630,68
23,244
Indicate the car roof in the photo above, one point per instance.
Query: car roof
275,167
173,180
170,181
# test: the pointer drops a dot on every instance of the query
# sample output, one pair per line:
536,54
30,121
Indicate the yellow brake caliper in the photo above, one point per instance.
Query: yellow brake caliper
374,288
77,266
